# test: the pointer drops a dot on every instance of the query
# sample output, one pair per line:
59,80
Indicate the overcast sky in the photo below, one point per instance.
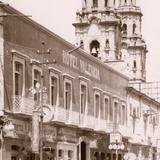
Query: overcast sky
58,16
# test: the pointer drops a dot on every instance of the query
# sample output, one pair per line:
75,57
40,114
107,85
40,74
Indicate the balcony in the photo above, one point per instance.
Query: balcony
23,105
88,122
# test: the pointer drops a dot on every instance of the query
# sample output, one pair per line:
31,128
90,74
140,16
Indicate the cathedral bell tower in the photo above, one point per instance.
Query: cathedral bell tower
133,47
110,30
97,28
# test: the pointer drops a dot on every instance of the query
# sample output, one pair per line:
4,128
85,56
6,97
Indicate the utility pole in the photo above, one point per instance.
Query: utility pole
42,52
41,90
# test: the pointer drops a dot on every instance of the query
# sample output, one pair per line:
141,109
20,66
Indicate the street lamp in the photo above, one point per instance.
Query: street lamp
116,146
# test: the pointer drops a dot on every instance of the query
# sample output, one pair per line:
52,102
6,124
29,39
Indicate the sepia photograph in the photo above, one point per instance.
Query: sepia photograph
79,80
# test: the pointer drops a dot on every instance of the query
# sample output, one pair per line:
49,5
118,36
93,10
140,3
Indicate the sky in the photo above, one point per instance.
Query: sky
58,16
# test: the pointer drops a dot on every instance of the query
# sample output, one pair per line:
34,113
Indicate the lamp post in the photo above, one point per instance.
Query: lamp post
116,146
39,88
38,111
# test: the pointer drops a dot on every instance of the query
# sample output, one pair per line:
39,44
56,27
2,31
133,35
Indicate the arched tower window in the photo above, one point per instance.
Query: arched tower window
94,48
82,44
125,1
106,3
134,28
124,28
107,43
95,3
134,64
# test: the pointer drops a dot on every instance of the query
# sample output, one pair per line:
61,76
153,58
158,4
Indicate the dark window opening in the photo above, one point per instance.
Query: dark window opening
94,48
82,44
124,28
83,151
106,3
106,108
96,155
95,3
107,43
83,98
134,64
18,78
102,156
67,95
53,91
97,105
134,28
115,112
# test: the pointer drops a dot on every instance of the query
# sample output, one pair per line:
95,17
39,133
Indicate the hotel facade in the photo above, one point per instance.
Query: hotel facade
84,100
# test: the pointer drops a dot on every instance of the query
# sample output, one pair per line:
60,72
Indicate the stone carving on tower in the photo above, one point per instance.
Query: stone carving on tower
111,31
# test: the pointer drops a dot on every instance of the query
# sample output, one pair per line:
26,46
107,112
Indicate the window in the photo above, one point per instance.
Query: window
106,3
94,48
67,94
53,90
115,112
70,155
124,28
102,111
134,64
60,154
123,115
95,3
110,113
107,43
125,1
83,98
36,80
18,78
106,106
82,44
134,28
97,104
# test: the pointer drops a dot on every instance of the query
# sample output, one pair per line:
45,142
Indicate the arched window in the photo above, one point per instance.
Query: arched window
134,28
134,64
125,1
107,43
95,3
124,28
94,48
106,3
82,44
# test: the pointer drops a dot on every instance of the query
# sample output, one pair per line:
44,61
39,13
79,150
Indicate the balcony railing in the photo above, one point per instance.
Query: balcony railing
23,105
70,117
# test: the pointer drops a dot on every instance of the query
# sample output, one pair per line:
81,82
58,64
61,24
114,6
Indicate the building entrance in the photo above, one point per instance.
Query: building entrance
83,150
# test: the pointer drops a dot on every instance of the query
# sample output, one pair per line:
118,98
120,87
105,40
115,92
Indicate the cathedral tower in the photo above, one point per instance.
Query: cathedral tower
133,47
111,31
97,28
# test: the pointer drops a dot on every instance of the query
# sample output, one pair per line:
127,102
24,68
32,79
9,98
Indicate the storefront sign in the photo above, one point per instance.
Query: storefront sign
115,138
82,66
35,132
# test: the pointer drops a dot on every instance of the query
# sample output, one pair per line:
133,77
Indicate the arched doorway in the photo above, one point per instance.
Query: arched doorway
83,150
